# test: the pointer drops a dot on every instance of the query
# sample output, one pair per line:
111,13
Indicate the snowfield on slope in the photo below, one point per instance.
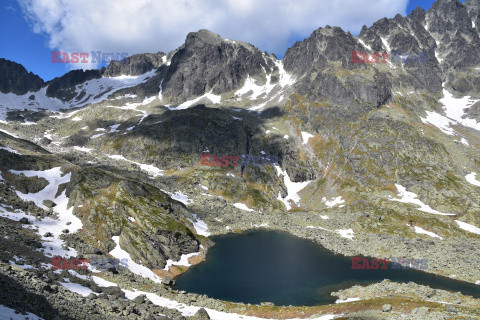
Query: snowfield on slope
66,220
77,288
306,136
411,198
9,150
183,261
454,109
334,202
11,314
293,188
201,227
148,168
471,178
95,90
423,231
242,206
134,267
468,227
190,103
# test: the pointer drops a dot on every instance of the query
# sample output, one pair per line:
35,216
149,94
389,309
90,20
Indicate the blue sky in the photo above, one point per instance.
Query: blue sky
29,41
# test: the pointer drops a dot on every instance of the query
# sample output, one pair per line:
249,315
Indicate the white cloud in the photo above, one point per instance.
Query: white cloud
161,25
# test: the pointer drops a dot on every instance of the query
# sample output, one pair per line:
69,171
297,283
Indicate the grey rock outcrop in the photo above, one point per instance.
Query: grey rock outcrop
63,87
16,79
311,61
208,63
201,314
135,65
450,24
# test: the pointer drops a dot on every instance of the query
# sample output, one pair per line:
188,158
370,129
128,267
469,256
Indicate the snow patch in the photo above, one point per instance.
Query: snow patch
468,227
9,150
464,141
183,260
242,206
77,288
439,121
150,169
292,188
428,233
410,197
134,267
201,227
103,283
83,149
190,103
94,90
385,44
306,136
179,196
364,44
5,131
347,300
454,109
55,178
97,135
335,201
471,178
346,233
11,314
114,128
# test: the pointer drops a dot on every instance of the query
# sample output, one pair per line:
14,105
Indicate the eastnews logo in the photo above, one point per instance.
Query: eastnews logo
396,57
82,57
98,263
359,263
246,160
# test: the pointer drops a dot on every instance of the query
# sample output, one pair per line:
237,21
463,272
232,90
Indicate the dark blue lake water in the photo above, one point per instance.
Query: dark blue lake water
263,266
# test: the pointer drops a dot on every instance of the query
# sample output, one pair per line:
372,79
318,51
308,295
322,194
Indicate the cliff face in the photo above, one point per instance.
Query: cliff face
15,78
208,63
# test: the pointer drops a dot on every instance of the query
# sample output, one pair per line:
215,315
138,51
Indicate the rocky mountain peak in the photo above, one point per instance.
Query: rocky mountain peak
203,36
324,44
473,8
448,15
417,13
449,23
208,63
15,78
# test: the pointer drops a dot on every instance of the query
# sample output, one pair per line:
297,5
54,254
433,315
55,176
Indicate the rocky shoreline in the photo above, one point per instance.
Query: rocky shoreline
454,256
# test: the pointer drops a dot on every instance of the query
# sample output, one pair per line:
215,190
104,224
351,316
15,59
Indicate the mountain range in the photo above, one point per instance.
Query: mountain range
377,159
